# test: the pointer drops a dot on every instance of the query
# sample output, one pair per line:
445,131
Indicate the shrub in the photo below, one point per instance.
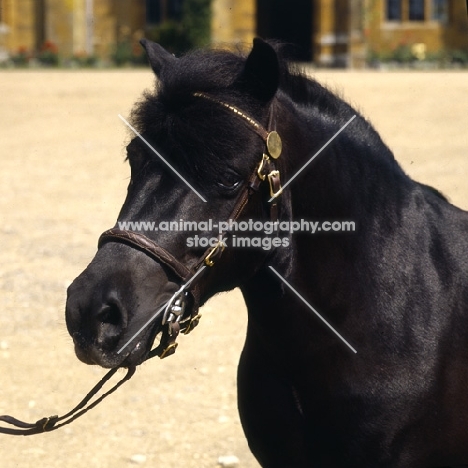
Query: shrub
404,55
48,54
82,59
459,57
21,57
192,31
196,21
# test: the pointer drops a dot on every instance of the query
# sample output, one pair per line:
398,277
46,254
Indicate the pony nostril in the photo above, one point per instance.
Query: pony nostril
111,321
110,314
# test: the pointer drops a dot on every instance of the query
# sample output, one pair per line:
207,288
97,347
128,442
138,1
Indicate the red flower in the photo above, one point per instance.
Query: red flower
49,46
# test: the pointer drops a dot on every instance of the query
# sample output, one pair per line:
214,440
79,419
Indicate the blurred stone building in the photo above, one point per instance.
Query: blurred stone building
328,32
344,32
74,26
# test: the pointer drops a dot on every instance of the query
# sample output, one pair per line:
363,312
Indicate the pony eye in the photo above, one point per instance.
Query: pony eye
229,181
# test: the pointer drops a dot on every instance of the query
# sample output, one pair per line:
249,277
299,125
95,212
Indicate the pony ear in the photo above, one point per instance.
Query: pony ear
261,71
158,56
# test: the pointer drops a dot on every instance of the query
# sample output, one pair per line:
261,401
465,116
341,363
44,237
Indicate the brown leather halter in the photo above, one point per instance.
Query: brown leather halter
174,319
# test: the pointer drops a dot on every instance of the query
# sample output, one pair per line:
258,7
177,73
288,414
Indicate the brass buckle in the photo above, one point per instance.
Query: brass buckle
192,324
208,261
169,350
260,167
271,176
48,423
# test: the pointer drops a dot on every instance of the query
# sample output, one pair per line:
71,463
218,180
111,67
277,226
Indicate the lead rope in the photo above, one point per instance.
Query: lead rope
168,344
49,424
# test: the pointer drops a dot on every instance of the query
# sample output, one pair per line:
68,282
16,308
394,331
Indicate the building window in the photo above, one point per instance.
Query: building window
394,10
153,12
440,10
159,11
416,10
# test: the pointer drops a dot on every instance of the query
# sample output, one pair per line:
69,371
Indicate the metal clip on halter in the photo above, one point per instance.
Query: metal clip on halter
174,313
275,184
213,253
172,316
192,323
174,321
274,148
263,162
175,308
169,350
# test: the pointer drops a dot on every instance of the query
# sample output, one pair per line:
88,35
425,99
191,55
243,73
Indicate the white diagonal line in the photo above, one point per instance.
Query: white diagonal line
190,281
143,327
315,155
312,309
160,156
158,312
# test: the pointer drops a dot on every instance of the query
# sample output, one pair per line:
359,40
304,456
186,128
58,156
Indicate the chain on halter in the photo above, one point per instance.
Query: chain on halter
174,320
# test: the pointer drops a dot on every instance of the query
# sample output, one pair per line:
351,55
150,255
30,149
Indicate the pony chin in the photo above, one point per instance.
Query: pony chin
130,355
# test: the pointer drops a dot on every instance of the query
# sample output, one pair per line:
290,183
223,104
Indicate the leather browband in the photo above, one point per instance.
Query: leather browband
259,129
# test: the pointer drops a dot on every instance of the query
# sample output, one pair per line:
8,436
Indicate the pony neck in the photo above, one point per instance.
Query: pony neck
355,179
351,175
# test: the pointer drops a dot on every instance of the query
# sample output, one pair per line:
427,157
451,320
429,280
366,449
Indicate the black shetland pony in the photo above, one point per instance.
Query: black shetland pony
396,288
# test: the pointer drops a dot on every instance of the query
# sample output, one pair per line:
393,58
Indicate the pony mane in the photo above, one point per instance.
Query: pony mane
209,70
198,71
160,113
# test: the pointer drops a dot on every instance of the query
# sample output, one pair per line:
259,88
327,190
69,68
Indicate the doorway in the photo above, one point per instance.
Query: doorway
288,21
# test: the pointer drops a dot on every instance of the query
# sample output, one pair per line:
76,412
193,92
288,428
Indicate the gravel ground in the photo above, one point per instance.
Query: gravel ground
62,182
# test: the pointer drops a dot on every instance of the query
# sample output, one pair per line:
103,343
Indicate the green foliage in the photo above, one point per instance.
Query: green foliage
83,60
21,57
403,56
48,55
127,52
196,21
171,35
192,31
459,56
